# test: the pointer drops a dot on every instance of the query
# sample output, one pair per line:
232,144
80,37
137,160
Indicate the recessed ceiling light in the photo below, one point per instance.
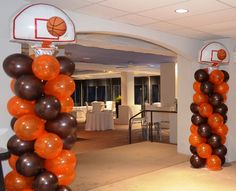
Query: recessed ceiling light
181,10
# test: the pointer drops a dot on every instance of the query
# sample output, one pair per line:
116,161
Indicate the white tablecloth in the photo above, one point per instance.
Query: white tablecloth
99,121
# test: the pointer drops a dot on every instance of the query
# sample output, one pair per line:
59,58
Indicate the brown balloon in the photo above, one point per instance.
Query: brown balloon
62,125
45,181
197,119
214,141
220,151
221,109
17,65
204,130
29,164
28,87
67,66
215,99
13,120
201,75
194,108
193,149
226,75
196,161
18,147
47,107
70,140
207,87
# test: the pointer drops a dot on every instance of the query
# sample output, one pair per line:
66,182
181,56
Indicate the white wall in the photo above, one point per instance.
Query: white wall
7,10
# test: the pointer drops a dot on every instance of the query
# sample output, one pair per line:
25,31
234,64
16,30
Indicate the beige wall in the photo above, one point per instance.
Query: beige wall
167,84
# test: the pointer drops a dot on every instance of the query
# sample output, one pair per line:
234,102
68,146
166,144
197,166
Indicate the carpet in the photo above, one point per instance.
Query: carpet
96,140
179,177
107,166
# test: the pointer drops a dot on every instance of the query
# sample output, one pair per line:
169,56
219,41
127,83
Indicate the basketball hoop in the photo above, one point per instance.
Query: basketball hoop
46,48
214,54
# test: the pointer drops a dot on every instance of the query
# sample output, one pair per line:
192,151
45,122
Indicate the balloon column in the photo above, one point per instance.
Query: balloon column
44,128
209,129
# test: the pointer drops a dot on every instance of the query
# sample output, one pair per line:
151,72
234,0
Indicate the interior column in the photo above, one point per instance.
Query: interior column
167,84
127,88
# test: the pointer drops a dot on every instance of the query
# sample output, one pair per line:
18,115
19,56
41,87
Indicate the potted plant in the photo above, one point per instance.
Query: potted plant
118,102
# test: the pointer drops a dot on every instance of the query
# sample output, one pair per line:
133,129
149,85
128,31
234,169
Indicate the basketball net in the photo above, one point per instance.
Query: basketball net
213,66
45,48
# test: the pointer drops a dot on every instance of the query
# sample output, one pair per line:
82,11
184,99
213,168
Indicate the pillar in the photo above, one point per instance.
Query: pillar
127,88
168,84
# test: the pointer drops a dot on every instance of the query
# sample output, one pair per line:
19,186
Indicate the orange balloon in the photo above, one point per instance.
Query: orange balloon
28,189
65,162
194,129
196,86
28,127
12,161
66,104
46,67
221,130
61,87
222,88
18,107
223,139
213,162
48,145
224,97
216,77
205,109
215,120
200,98
16,182
204,150
66,179
195,140
12,85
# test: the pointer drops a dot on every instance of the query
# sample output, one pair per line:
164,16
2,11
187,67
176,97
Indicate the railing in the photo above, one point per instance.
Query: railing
150,124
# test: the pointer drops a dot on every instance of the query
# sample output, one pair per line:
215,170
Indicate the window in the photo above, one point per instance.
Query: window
96,90
147,89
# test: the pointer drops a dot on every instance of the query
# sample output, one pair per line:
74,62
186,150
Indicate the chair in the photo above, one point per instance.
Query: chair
133,110
97,106
111,105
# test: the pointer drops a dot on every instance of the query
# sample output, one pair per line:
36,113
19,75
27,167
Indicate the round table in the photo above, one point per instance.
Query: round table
4,155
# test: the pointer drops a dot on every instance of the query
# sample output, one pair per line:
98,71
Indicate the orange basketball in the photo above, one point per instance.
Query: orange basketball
221,54
56,26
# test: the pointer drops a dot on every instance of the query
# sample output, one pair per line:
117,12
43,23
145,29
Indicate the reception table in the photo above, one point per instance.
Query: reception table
99,121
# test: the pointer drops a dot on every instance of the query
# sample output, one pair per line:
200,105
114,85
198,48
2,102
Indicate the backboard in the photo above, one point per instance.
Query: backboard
30,24
208,53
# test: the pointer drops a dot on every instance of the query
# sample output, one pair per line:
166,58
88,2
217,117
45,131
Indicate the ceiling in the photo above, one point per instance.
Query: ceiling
206,19
120,58
111,54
